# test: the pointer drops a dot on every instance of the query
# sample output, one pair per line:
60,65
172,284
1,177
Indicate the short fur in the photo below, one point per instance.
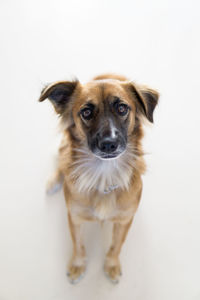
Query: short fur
97,189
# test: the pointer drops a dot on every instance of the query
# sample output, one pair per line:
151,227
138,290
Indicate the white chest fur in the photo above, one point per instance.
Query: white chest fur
92,173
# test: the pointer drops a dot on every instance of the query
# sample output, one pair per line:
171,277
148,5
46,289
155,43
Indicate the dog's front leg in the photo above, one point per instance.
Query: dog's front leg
112,266
77,265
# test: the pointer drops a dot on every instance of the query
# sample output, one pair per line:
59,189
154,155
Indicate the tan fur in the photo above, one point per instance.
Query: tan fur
118,206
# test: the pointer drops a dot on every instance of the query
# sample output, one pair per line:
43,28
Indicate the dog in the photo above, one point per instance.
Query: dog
100,159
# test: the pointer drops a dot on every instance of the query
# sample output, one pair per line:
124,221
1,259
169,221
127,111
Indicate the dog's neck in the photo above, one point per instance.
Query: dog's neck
91,173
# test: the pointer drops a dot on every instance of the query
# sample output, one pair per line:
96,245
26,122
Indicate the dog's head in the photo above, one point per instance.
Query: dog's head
103,113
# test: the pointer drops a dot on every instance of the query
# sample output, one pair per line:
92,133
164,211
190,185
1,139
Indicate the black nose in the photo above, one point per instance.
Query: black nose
108,145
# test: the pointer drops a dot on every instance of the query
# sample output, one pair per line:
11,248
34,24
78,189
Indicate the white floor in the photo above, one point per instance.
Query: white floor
153,42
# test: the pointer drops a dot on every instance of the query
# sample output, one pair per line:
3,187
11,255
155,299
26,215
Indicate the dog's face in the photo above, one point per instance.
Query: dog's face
103,113
104,116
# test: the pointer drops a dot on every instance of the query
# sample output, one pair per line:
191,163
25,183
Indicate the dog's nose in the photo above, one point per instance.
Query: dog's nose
108,145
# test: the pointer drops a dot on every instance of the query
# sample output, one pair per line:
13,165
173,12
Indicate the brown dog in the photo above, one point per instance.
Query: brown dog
100,158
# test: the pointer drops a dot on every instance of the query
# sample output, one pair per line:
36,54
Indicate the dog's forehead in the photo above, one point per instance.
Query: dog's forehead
100,90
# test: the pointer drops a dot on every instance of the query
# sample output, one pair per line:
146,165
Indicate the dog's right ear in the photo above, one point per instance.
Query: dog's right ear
60,94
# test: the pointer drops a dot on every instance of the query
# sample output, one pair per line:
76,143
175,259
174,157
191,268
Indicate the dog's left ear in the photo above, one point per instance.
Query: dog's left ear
146,99
60,94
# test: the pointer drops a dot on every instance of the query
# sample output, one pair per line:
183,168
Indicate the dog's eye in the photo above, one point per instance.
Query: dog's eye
122,109
86,113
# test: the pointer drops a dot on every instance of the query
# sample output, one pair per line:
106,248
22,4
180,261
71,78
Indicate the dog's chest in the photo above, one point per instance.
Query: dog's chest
104,208
100,182
98,208
101,209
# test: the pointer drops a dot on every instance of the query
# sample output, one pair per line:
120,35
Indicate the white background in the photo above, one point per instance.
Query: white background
153,42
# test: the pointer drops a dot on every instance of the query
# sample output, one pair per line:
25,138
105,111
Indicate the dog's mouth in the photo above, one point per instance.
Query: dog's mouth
108,156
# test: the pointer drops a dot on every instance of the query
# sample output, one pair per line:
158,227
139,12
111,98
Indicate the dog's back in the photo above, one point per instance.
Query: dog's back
110,76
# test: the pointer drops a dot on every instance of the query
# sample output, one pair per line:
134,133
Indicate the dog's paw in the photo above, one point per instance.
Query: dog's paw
54,184
112,271
52,189
76,273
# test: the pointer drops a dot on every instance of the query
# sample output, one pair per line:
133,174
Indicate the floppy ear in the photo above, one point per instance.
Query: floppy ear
60,94
146,99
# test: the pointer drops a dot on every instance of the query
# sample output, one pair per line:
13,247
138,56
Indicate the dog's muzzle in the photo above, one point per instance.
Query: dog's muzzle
108,145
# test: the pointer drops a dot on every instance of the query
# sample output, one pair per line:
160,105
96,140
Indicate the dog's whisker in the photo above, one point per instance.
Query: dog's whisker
82,150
